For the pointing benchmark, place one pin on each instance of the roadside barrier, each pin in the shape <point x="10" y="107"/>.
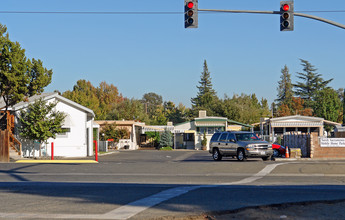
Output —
<point x="287" y="155"/>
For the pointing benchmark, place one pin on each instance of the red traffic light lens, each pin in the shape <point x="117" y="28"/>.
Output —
<point x="286" y="7"/>
<point x="190" y="4"/>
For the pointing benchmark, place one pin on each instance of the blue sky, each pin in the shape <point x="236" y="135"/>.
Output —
<point x="155" y="53"/>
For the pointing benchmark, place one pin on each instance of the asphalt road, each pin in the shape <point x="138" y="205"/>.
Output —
<point x="152" y="184"/>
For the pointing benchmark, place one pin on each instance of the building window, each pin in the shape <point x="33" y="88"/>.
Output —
<point x="209" y="130"/>
<point x="64" y="133"/>
<point x="188" y="137"/>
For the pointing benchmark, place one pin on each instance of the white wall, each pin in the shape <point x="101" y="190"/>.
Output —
<point x="74" y="143"/>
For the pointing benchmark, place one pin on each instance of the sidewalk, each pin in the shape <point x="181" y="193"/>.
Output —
<point x="306" y="159"/>
<point x="90" y="159"/>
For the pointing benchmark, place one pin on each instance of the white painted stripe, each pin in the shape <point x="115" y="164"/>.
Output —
<point x="134" y="208"/>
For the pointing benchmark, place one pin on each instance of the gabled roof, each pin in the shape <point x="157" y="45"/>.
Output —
<point x="297" y="118"/>
<point x="48" y="96"/>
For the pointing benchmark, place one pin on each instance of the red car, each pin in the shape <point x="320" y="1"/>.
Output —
<point x="279" y="150"/>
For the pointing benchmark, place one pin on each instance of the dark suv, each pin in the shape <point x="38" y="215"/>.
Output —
<point x="241" y="144"/>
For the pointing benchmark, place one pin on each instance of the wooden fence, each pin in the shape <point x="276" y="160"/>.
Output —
<point x="4" y="146"/>
<point x="298" y="140"/>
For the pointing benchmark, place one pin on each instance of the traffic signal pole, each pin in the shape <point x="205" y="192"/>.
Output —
<point x="277" y="12"/>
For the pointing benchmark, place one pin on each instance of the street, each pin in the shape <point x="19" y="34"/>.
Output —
<point x="152" y="184"/>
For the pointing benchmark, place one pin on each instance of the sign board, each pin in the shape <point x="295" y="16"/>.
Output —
<point x="332" y="142"/>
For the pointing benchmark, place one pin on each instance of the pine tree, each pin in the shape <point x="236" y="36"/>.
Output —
<point x="285" y="92"/>
<point x="311" y="84"/>
<point x="206" y="95"/>
<point x="166" y="139"/>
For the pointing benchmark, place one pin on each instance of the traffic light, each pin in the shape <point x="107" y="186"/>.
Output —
<point x="190" y="13"/>
<point x="286" y="16"/>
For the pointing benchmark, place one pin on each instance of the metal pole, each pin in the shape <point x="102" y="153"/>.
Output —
<point x="52" y="149"/>
<point x="96" y="151"/>
<point x="277" y="12"/>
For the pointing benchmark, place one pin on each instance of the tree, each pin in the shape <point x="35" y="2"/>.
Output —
<point x="206" y="94"/>
<point x="328" y="105"/>
<point x="152" y="101"/>
<point x="40" y="121"/>
<point x="112" y="131"/>
<point x="173" y="113"/>
<point x="101" y="99"/>
<point x="107" y="95"/>
<point x="129" y="109"/>
<point x="166" y="139"/>
<point x="85" y="94"/>
<point x="311" y="84"/>
<point x="19" y="77"/>
<point x="285" y="92"/>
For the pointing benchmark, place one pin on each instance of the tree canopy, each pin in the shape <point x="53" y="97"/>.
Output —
<point x="40" y="121"/>
<point x="19" y="76"/>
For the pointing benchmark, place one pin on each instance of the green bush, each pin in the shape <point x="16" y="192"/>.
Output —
<point x="165" y="148"/>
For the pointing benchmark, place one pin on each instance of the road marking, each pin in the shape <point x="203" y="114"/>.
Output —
<point x="134" y="208"/>
<point x="264" y="172"/>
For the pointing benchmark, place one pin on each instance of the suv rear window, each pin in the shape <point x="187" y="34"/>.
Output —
<point x="215" y="137"/>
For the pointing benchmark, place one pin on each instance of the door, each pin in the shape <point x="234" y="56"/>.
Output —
<point x="231" y="141"/>
<point x="223" y="144"/>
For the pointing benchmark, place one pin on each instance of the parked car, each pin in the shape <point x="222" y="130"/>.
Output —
<point x="279" y="150"/>
<point x="241" y="144"/>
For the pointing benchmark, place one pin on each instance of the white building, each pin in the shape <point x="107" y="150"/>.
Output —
<point x="76" y="142"/>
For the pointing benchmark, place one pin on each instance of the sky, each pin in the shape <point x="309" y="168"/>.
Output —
<point x="142" y="53"/>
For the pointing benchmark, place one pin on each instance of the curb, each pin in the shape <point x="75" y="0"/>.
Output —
<point x="56" y="161"/>
<point x="308" y="159"/>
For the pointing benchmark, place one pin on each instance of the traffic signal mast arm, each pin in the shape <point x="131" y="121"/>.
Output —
<point x="277" y="12"/>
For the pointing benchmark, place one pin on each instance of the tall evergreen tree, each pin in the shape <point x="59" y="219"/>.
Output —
<point x="206" y="95"/>
<point x="311" y="84"/>
<point x="285" y="92"/>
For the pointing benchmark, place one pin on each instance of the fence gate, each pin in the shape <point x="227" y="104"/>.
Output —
<point x="4" y="146"/>
<point x="298" y="140"/>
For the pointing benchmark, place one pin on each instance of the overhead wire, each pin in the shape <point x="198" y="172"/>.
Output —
<point x="128" y="12"/>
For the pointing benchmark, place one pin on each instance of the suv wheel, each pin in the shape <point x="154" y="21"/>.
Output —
<point x="265" y="158"/>
<point x="216" y="154"/>
<point x="240" y="155"/>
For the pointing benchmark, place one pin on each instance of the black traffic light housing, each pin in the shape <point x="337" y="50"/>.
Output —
<point x="190" y="13"/>
<point x="286" y="16"/>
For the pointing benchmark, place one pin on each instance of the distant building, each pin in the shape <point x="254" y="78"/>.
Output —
<point x="189" y="134"/>
<point x="296" y="123"/>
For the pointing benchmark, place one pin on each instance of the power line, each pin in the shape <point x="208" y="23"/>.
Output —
<point x="129" y="12"/>
<point x="89" y="12"/>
